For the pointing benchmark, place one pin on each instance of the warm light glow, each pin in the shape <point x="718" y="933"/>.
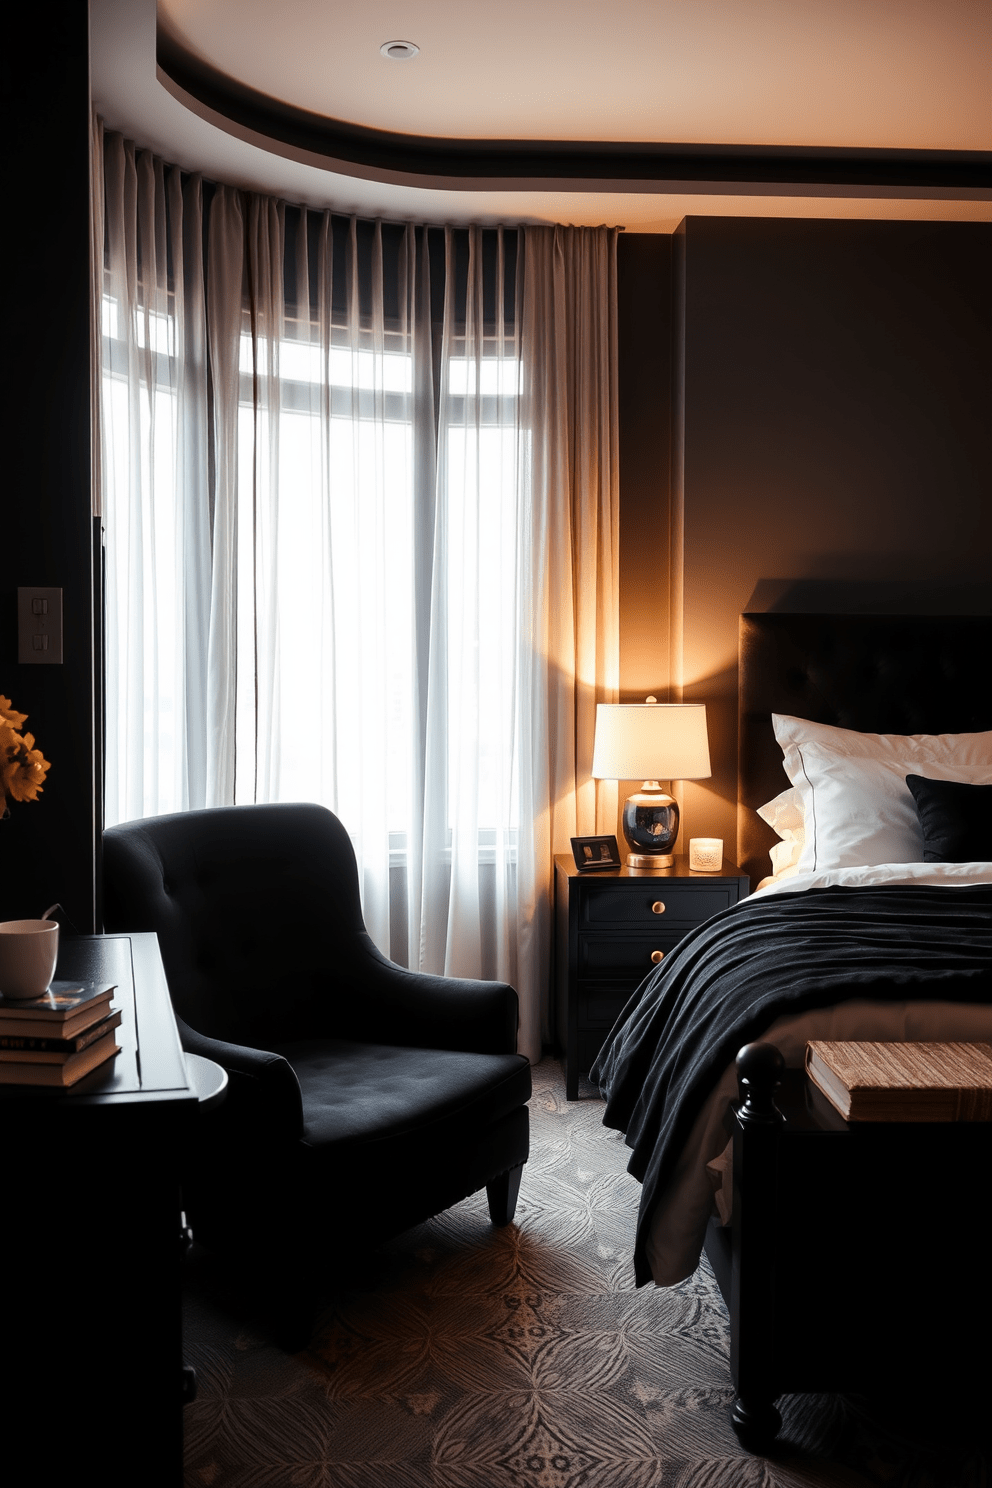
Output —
<point x="705" y="854"/>
<point x="651" y="741"/>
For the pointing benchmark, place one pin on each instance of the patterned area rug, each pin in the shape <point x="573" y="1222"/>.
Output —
<point x="466" y="1357"/>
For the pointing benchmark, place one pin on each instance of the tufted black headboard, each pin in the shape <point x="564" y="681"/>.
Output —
<point x="892" y="674"/>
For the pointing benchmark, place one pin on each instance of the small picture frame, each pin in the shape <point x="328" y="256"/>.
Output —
<point x="594" y="854"/>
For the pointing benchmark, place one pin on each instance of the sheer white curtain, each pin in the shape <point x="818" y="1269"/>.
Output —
<point x="156" y="495"/>
<point x="362" y="551"/>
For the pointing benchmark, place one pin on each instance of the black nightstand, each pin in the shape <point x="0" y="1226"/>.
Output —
<point x="610" y="928"/>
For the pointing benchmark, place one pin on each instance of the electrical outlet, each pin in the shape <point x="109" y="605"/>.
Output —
<point x="39" y="626"/>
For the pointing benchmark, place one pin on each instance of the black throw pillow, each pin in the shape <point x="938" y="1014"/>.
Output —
<point x="956" y="819"/>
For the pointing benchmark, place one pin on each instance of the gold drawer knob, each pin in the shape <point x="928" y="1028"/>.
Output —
<point x="657" y="907"/>
<point x="657" y="956"/>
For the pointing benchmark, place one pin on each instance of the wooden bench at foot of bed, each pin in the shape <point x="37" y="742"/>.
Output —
<point x="857" y="1257"/>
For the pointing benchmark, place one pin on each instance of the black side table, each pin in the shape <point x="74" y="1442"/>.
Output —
<point x="91" y="1214"/>
<point x="610" y="929"/>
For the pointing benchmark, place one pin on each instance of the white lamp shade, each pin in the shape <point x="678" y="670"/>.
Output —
<point x="651" y="741"/>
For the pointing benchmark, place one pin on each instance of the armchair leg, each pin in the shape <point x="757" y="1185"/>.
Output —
<point x="756" y="1422"/>
<point x="502" y="1194"/>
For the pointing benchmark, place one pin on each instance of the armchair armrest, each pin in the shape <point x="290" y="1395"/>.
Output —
<point x="417" y="1010"/>
<point x="263" y="1091"/>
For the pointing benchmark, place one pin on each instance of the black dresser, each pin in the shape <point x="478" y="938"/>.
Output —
<point x="610" y="929"/>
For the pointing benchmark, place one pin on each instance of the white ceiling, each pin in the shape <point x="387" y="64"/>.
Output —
<point x="848" y="73"/>
<point x="911" y="75"/>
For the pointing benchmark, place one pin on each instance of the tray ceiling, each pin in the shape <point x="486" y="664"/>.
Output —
<point x="636" y="113"/>
<point x="848" y="73"/>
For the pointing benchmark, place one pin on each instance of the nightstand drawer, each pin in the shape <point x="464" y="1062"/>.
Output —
<point x="686" y="903"/>
<point x="600" y="1004"/>
<point x="622" y="956"/>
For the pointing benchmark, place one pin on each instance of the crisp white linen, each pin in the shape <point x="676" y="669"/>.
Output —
<point x="962" y="749"/>
<point x="861" y="811"/>
<point x="865" y="876"/>
<point x="678" y="1223"/>
<point x="785" y="816"/>
<point x="852" y="793"/>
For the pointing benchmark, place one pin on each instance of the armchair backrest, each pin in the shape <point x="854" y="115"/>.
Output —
<point x="257" y="912"/>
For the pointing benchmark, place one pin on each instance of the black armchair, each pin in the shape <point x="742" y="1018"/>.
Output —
<point x="363" y="1098"/>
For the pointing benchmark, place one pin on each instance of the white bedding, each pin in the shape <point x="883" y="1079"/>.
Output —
<point x="678" y="1223"/>
<point x="881" y="873"/>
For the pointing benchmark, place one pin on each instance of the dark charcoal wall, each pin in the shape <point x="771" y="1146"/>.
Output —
<point x="47" y="847"/>
<point x="832" y="399"/>
<point x="644" y="314"/>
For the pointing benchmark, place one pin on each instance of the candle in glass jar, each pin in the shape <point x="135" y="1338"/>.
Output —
<point x="706" y="854"/>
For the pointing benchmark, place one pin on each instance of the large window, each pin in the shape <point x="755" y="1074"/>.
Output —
<point x="359" y="501"/>
<point x="343" y="541"/>
<point x="326" y="522"/>
<point x="320" y="576"/>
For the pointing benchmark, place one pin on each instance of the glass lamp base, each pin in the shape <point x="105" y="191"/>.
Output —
<point x="651" y="827"/>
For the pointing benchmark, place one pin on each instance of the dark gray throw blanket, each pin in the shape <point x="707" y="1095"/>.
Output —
<point x="727" y="982"/>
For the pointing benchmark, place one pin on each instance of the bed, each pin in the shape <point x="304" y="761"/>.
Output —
<point x="887" y="948"/>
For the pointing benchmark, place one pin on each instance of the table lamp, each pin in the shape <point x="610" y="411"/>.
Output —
<point x="651" y="741"/>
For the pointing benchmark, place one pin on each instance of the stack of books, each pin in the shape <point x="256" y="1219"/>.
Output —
<point x="58" y="1038"/>
<point x="904" y="1082"/>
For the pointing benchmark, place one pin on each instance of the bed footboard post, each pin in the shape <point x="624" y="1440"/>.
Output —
<point x="752" y="1300"/>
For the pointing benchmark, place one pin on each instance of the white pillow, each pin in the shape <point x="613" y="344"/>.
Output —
<point x="784" y="858"/>
<point x="962" y="749"/>
<point x="862" y="811"/>
<point x="785" y="816"/>
<point x="916" y="751"/>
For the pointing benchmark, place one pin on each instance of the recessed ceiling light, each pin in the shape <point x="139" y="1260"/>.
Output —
<point x="399" y="51"/>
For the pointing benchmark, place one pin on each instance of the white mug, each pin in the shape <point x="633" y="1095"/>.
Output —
<point x="28" y="951"/>
<point x="705" y="854"/>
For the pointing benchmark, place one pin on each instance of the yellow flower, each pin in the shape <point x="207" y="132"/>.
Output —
<point x="23" y="774"/>
<point x="8" y="715"/>
<point x="22" y="767"/>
